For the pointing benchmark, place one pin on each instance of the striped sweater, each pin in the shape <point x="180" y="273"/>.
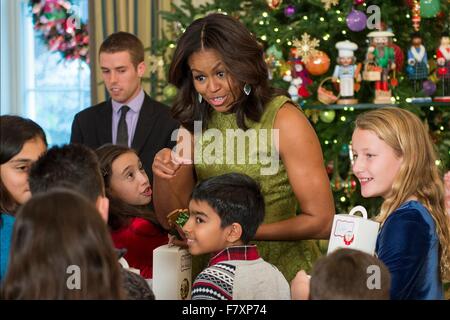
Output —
<point x="239" y="273"/>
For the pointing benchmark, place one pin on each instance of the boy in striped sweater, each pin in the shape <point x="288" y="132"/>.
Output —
<point x="225" y="212"/>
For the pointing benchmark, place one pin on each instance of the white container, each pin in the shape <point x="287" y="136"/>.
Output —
<point x="172" y="273"/>
<point x="350" y="231"/>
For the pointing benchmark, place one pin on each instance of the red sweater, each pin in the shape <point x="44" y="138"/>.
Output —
<point x="140" y="238"/>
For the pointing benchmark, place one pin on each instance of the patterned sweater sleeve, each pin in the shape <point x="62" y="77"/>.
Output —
<point x="214" y="283"/>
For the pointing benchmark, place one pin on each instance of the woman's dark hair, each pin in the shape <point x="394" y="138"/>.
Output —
<point x="57" y="236"/>
<point x="15" y="131"/>
<point x="243" y="58"/>
<point x="120" y="212"/>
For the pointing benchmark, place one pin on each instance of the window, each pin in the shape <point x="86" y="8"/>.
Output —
<point x="51" y="90"/>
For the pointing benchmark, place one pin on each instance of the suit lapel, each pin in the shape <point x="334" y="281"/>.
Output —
<point x="104" y="121"/>
<point x="146" y="121"/>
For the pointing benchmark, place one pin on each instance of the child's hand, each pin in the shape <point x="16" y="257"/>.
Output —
<point x="175" y="241"/>
<point x="300" y="286"/>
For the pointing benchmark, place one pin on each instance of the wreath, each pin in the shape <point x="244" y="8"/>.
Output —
<point x="60" y="28"/>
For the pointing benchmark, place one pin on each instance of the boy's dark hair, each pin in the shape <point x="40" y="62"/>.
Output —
<point x="124" y="41"/>
<point x="15" y="131"/>
<point x="71" y="166"/>
<point x="344" y="275"/>
<point x="236" y="198"/>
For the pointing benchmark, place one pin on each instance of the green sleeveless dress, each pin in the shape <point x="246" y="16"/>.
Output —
<point x="217" y="153"/>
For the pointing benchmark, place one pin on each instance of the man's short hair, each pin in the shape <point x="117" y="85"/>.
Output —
<point x="124" y="41"/>
<point x="236" y="198"/>
<point x="71" y="166"/>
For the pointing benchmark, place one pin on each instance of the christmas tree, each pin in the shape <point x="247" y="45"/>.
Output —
<point x="305" y="32"/>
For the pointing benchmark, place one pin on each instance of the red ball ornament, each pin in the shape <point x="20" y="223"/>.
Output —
<point x="330" y="167"/>
<point x="409" y="3"/>
<point x="318" y="63"/>
<point x="358" y="2"/>
<point x="350" y="185"/>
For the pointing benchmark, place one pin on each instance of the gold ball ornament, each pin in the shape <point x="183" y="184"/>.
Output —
<point x="317" y="64"/>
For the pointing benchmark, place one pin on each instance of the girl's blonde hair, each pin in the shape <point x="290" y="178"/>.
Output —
<point x="418" y="175"/>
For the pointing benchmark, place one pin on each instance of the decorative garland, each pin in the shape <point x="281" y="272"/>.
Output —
<point x="60" y="28"/>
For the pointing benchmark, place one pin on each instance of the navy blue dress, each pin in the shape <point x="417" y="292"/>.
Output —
<point x="408" y="245"/>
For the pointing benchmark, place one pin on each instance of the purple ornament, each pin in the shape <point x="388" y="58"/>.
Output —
<point x="429" y="87"/>
<point x="289" y="11"/>
<point x="356" y="20"/>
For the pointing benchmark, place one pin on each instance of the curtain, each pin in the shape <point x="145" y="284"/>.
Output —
<point x="139" y="17"/>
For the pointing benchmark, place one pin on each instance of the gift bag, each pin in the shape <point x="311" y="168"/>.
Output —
<point x="172" y="273"/>
<point x="350" y="231"/>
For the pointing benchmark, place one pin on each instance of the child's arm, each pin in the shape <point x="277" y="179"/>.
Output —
<point x="300" y="286"/>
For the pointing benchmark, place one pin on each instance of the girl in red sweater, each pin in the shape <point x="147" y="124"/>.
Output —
<point x="132" y="223"/>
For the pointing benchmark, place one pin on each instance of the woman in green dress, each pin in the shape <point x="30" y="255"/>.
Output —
<point x="233" y="121"/>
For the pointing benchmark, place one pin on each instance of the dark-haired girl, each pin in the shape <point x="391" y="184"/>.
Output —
<point x="132" y="224"/>
<point x="22" y="141"/>
<point x="62" y="251"/>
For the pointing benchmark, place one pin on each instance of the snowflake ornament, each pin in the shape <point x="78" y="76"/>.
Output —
<point x="306" y="46"/>
<point x="329" y="3"/>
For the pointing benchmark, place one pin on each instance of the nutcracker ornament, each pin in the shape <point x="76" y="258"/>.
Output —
<point x="417" y="67"/>
<point x="382" y="56"/>
<point x="443" y="70"/>
<point x="346" y="72"/>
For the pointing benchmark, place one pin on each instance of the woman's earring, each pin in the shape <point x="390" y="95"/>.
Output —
<point x="200" y="98"/>
<point x="247" y="89"/>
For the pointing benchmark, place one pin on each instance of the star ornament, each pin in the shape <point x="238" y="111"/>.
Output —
<point x="306" y="46"/>
<point x="328" y="3"/>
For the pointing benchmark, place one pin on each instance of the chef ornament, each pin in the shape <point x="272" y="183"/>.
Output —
<point x="346" y="72"/>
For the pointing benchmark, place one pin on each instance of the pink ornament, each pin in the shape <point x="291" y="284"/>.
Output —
<point x="289" y="11"/>
<point x="429" y="87"/>
<point x="358" y="2"/>
<point x="356" y="20"/>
